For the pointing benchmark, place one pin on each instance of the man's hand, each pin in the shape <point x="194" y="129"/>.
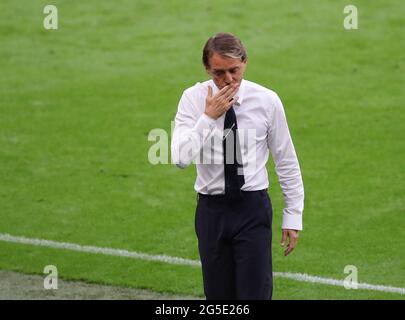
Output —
<point x="293" y="236"/>
<point x="216" y="106"/>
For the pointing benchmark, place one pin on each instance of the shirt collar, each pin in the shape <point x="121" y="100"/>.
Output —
<point x="240" y="93"/>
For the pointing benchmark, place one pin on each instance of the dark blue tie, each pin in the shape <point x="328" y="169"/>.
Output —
<point x="232" y="157"/>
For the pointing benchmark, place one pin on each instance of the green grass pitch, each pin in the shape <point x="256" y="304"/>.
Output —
<point x="77" y="105"/>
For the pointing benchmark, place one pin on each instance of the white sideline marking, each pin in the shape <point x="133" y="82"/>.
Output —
<point x="100" y="250"/>
<point x="334" y="282"/>
<point x="181" y="261"/>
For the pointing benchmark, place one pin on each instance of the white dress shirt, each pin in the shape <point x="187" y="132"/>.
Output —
<point x="262" y="126"/>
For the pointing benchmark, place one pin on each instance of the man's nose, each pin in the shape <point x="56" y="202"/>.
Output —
<point x="228" y="77"/>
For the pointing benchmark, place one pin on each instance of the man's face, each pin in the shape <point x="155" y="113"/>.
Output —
<point x="225" y="70"/>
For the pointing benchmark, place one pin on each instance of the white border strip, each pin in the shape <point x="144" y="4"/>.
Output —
<point x="181" y="261"/>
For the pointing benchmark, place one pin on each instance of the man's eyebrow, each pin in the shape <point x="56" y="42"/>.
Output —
<point x="216" y="70"/>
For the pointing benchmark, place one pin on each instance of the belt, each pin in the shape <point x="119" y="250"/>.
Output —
<point x="222" y="196"/>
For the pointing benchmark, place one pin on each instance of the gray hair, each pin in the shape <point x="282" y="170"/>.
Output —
<point x="225" y="44"/>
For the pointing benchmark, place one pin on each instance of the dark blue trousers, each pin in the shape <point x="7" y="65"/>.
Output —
<point x="234" y="242"/>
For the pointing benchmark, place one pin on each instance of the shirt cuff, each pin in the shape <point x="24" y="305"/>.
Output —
<point x="292" y="221"/>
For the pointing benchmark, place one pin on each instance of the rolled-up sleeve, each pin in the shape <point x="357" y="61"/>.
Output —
<point x="286" y="166"/>
<point x="191" y="131"/>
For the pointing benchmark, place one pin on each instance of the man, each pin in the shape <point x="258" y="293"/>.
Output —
<point x="234" y="213"/>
